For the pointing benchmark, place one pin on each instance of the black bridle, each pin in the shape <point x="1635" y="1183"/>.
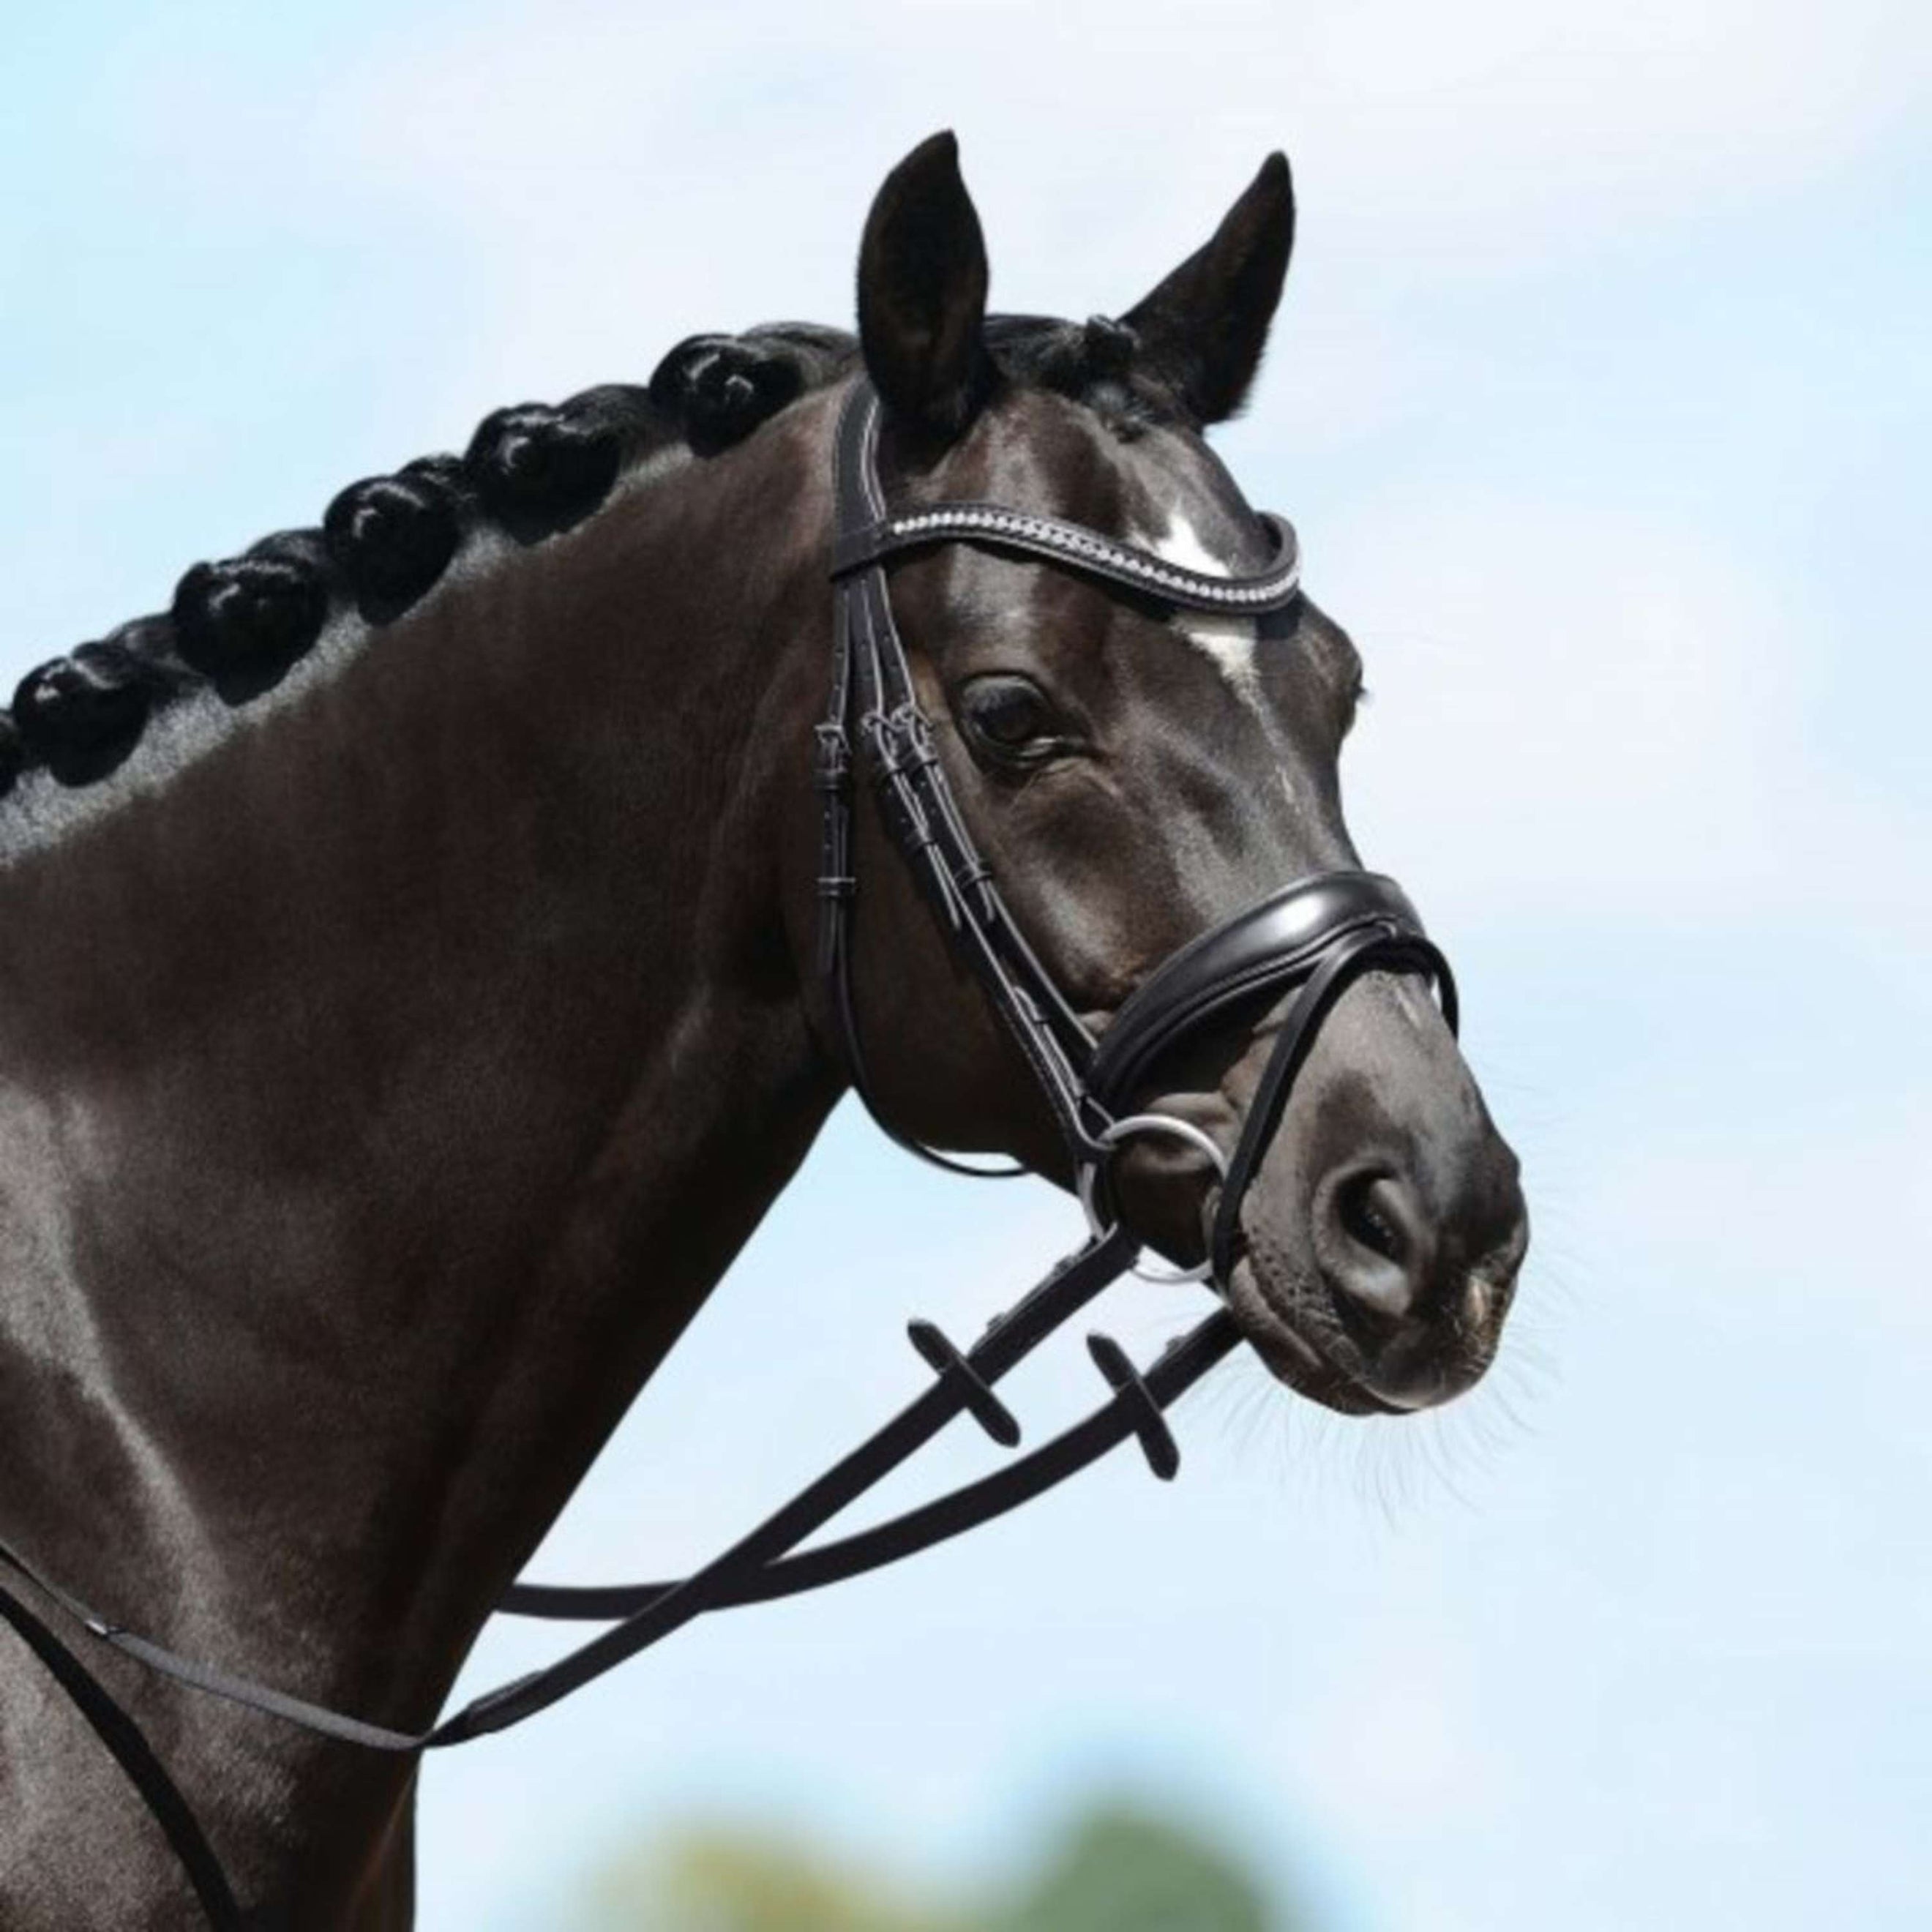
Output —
<point x="1316" y="934"/>
<point x="1309" y="940"/>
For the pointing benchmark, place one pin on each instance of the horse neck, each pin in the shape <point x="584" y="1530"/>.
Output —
<point x="383" y="1094"/>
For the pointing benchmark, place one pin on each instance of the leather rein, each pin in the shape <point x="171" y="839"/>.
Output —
<point x="1309" y="940"/>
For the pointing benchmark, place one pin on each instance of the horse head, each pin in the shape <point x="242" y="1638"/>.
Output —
<point x="1136" y="775"/>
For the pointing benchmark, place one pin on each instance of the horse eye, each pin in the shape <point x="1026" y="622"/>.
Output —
<point x="1007" y="714"/>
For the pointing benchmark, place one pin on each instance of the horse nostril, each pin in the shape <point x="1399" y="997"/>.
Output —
<point x="1416" y="1256"/>
<point x="1369" y="1221"/>
<point x="1377" y="1247"/>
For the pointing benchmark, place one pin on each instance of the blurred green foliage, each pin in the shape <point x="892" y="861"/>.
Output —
<point x="1117" y="1869"/>
<point x="1125" y="1871"/>
<point x="716" y="1880"/>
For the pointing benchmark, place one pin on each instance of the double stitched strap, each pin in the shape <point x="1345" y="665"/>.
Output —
<point x="872" y="697"/>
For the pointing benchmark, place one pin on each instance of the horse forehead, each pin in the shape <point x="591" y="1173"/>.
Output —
<point x="1046" y="451"/>
<point x="1181" y="503"/>
<point x="1186" y="513"/>
<point x="1163" y="491"/>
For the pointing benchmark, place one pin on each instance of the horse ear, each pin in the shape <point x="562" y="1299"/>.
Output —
<point x="1202" y="330"/>
<point x="922" y="291"/>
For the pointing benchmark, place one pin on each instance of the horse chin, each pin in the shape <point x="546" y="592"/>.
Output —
<point x="1291" y="1357"/>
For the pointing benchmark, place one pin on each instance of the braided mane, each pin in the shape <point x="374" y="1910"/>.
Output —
<point x="533" y="471"/>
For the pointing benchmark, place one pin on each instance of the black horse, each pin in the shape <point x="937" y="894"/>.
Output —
<point x="408" y="1004"/>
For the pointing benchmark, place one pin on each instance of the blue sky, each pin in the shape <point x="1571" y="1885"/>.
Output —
<point x="1600" y="396"/>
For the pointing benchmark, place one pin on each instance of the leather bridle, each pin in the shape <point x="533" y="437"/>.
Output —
<point x="1309" y="940"/>
<point x="1315" y="933"/>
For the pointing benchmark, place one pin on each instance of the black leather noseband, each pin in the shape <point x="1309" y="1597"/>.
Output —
<point x="1315" y="935"/>
<point x="1265" y="950"/>
<point x="1305" y="943"/>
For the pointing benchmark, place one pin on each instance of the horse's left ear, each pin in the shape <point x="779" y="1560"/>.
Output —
<point x="922" y="292"/>
<point x="1202" y="330"/>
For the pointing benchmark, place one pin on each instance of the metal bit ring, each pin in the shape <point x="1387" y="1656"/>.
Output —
<point x="1109" y="1137"/>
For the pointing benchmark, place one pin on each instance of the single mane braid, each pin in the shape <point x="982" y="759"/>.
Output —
<point x="391" y="537"/>
<point x="242" y="623"/>
<point x="80" y="715"/>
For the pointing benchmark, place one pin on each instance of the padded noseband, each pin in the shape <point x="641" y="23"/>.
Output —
<point x="1264" y="951"/>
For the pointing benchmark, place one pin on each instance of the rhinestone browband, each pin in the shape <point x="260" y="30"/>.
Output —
<point x="1068" y="543"/>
